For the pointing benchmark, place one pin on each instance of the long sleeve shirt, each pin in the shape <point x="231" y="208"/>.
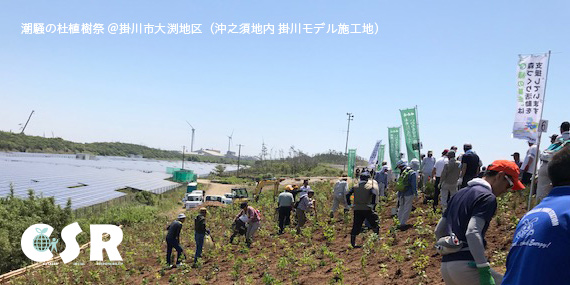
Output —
<point x="340" y="188"/>
<point x="305" y="203"/>
<point x="412" y="186"/>
<point x="174" y="230"/>
<point x="200" y="225"/>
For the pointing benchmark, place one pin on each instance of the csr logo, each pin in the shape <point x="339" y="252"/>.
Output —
<point x="38" y="247"/>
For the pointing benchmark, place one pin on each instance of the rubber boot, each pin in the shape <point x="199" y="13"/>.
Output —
<point x="353" y="240"/>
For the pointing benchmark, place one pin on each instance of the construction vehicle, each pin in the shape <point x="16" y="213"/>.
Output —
<point x="241" y="194"/>
<point x="266" y="182"/>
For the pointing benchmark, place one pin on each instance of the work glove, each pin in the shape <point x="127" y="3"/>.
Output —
<point x="484" y="271"/>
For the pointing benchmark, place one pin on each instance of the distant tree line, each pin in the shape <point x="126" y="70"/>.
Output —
<point x="24" y="143"/>
<point x="299" y="163"/>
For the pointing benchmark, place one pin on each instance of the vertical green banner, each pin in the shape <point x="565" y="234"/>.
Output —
<point x="411" y="133"/>
<point x="394" y="144"/>
<point x="351" y="162"/>
<point x="381" y="155"/>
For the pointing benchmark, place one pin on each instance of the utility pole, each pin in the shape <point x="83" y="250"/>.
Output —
<point x="350" y="118"/>
<point x="24" y="128"/>
<point x="183" y="150"/>
<point x="239" y="156"/>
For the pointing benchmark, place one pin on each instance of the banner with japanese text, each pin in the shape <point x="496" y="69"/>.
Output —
<point x="373" y="160"/>
<point x="351" y="162"/>
<point x="411" y="133"/>
<point x="394" y="145"/>
<point x="381" y="156"/>
<point x="531" y="82"/>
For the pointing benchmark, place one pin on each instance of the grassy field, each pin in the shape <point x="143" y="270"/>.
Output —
<point x="320" y="255"/>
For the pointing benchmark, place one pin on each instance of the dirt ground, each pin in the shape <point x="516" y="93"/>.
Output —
<point x="381" y="269"/>
<point x="216" y="188"/>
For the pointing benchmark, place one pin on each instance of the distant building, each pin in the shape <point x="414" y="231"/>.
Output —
<point x="84" y="156"/>
<point x="209" y="152"/>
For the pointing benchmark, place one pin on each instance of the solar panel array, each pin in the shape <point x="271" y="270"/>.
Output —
<point x="86" y="182"/>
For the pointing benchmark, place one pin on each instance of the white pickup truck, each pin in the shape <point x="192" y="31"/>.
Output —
<point x="218" y="198"/>
<point x="192" y="200"/>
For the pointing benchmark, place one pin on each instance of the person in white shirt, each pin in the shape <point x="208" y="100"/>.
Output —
<point x="305" y="188"/>
<point x="339" y="195"/>
<point x="285" y="203"/>
<point x="427" y="167"/>
<point x="528" y="165"/>
<point x="436" y="172"/>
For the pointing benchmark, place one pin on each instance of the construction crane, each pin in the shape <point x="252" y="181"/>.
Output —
<point x="24" y="128"/>
<point x="192" y="143"/>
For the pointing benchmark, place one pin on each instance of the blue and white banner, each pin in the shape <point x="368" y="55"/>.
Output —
<point x="374" y="156"/>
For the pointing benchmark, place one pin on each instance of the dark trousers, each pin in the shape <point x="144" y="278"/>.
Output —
<point x="436" y="193"/>
<point x="465" y="180"/>
<point x="359" y="216"/>
<point x="526" y="178"/>
<point x="173" y="244"/>
<point x="199" y="239"/>
<point x="284" y="217"/>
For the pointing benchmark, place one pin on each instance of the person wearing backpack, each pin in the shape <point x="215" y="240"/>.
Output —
<point x="253" y="224"/>
<point x="544" y="186"/>
<point x="364" y="203"/>
<point x="407" y="188"/>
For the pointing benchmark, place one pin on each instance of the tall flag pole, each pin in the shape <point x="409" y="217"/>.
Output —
<point x="532" y="74"/>
<point x="411" y="133"/>
<point x="373" y="160"/>
<point x="394" y="146"/>
<point x="351" y="162"/>
<point x="381" y="156"/>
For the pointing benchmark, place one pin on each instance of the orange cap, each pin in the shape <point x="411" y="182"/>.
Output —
<point x="511" y="169"/>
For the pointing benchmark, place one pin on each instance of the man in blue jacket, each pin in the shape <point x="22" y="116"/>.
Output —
<point x="173" y="239"/>
<point x="540" y="252"/>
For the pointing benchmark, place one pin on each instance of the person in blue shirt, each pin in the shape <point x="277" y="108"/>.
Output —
<point x="540" y="252"/>
<point x="467" y="219"/>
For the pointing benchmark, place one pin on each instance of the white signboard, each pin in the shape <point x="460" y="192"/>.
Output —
<point x="531" y="82"/>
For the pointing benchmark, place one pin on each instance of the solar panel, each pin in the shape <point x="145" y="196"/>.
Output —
<point x="91" y="181"/>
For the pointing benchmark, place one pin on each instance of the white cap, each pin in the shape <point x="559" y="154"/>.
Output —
<point x="181" y="216"/>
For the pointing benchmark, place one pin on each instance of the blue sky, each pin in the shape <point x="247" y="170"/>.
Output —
<point x="456" y="60"/>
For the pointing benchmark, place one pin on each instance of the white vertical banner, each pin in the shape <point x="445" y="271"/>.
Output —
<point x="531" y="82"/>
<point x="374" y="155"/>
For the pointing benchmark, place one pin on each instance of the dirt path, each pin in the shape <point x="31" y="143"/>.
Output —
<point x="216" y="188"/>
